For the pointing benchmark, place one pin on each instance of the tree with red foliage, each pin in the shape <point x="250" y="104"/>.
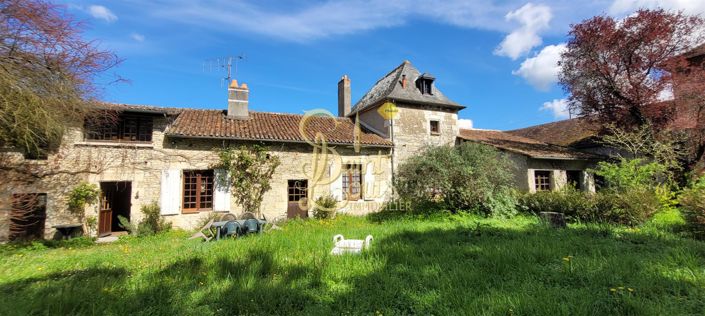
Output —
<point x="46" y="74"/>
<point x="617" y="69"/>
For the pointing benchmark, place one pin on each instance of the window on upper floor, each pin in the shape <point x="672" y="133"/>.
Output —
<point x="39" y="153"/>
<point x="123" y="128"/>
<point x="435" y="127"/>
<point x="425" y="84"/>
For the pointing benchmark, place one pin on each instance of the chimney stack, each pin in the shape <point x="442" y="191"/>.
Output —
<point x="344" y="97"/>
<point x="238" y="97"/>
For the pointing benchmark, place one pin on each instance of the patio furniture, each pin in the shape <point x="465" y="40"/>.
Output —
<point x="247" y="215"/>
<point x="67" y="230"/>
<point x="227" y="217"/>
<point x="228" y="229"/>
<point x="343" y="246"/>
<point x="253" y="226"/>
<point x="205" y="232"/>
<point x="236" y="228"/>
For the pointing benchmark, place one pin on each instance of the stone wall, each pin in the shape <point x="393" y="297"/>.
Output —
<point x="525" y="167"/>
<point x="411" y="130"/>
<point x="142" y="164"/>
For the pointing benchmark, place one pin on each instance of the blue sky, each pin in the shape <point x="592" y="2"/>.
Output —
<point x="498" y="58"/>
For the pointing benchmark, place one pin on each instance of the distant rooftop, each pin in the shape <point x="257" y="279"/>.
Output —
<point x="522" y="145"/>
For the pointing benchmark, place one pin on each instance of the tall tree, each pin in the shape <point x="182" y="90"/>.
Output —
<point x="619" y="72"/>
<point x="46" y="74"/>
<point x="618" y="69"/>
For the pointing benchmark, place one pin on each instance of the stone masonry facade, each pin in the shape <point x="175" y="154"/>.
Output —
<point x="361" y="145"/>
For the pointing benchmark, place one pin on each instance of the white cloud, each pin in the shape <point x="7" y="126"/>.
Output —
<point x="541" y="71"/>
<point x="137" y="37"/>
<point x="627" y="6"/>
<point x="533" y="19"/>
<point x="465" y="123"/>
<point x="102" y="13"/>
<point x="559" y="107"/>
<point x="337" y="17"/>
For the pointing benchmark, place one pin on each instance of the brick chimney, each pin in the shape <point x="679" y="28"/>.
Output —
<point x="344" y="98"/>
<point x="238" y="97"/>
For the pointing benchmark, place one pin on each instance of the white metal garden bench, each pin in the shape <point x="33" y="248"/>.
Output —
<point x="343" y="246"/>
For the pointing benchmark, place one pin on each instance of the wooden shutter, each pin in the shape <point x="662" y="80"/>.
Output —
<point x="171" y="192"/>
<point x="368" y="191"/>
<point x="336" y="186"/>
<point x="221" y="198"/>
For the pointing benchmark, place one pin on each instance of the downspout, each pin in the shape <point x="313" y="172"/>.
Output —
<point x="394" y="145"/>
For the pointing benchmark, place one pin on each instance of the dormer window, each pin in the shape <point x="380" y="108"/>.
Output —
<point x="425" y="84"/>
<point x="125" y="127"/>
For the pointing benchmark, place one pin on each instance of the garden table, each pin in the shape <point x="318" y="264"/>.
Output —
<point x="66" y="230"/>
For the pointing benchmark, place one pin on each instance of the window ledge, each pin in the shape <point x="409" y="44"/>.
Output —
<point x="115" y="144"/>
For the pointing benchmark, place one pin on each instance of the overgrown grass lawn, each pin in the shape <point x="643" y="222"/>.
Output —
<point x="457" y="264"/>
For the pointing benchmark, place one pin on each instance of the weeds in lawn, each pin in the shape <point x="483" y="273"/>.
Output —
<point x="568" y="263"/>
<point x="459" y="264"/>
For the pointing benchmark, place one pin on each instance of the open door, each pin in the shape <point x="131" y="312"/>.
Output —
<point x="297" y="196"/>
<point x="115" y="200"/>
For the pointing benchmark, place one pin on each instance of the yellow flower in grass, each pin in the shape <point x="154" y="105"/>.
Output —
<point x="613" y="290"/>
<point x="630" y="290"/>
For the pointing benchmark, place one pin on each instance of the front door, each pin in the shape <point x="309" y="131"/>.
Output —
<point x="115" y="202"/>
<point x="297" y="196"/>
<point x="106" y="214"/>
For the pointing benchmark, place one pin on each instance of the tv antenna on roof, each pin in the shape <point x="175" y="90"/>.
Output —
<point x="224" y="63"/>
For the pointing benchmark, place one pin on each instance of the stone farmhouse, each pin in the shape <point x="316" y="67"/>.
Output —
<point x="164" y="155"/>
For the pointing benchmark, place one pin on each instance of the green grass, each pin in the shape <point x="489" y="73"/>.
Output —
<point x="457" y="264"/>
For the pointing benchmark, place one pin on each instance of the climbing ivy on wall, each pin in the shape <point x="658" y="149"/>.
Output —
<point x="249" y="171"/>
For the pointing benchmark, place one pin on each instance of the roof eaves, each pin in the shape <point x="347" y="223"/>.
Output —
<point x="273" y="140"/>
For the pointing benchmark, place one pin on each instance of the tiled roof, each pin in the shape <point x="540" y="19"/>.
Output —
<point x="583" y="130"/>
<point x="522" y="145"/>
<point x="140" y="108"/>
<point x="570" y="132"/>
<point x="390" y="88"/>
<point x="266" y="126"/>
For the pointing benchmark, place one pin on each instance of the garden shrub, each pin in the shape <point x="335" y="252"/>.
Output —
<point x="151" y="223"/>
<point x="627" y="174"/>
<point x="631" y="207"/>
<point x="573" y="203"/>
<point x="636" y="189"/>
<point x="467" y="177"/>
<point x="325" y="207"/>
<point x="692" y="202"/>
